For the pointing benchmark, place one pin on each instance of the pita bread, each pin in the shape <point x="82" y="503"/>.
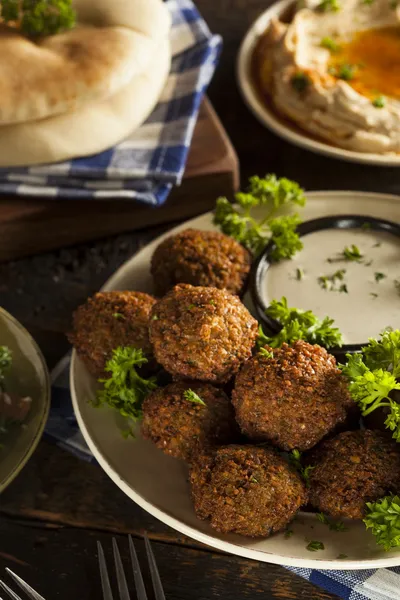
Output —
<point x="67" y="70"/>
<point x="150" y="17"/>
<point x="93" y="127"/>
<point x="89" y="63"/>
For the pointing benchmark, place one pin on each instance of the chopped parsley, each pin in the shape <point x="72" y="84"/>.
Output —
<point x="191" y="396"/>
<point x="288" y="533"/>
<point x="118" y="316"/>
<point x="379" y="102"/>
<point x="329" y="282"/>
<point x="314" y="545"/>
<point x="379" y="276"/>
<point x="299" y="325"/>
<point x="154" y="318"/>
<point x="299" y="274"/>
<point x="377" y="245"/>
<point x="328" y="6"/>
<point x="5" y="364"/>
<point x="340" y="556"/>
<point x="300" y="82"/>
<point x="304" y="472"/>
<point x="352" y="253"/>
<point x="373" y="294"/>
<point x="346" y="72"/>
<point x="343" y="289"/>
<point x="330" y="45"/>
<point x="266" y="353"/>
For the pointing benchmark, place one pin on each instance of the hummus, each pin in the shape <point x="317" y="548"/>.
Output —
<point x="334" y="70"/>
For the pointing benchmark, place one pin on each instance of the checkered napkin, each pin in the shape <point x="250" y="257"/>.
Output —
<point x="370" y="584"/>
<point x="152" y="160"/>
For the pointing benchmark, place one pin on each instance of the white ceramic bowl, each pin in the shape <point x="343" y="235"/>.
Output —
<point x="28" y="377"/>
<point x="158" y="483"/>
<point x="271" y="120"/>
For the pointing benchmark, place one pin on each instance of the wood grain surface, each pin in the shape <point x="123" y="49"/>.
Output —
<point x="53" y="513"/>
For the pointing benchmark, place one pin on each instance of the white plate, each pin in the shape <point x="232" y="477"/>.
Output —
<point x="158" y="483"/>
<point x="269" y="118"/>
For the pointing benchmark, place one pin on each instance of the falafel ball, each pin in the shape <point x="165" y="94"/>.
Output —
<point x="292" y="398"/>
<point x="108" y="320"/>
<point x="351" y="469"/>
<point x="246" y="489"/>
<point x="201" y="333"/>
<point x="182" y="428"/>
<point x="205" y="258"/>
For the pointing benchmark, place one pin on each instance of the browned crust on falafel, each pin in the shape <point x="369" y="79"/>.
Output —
<point x="202" y="333"/>
<point x="108" y="320"/>
<point x="182" y="428"/>
<point x="292" y="399"/>
<point x="205" y="258"/>
<point x="247" y="490"/>
<point x="351" y="469"/>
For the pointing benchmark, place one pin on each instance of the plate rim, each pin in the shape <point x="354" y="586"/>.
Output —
<point x="267" y="116"/>
<point x="165" y="517"/>
<point x="47" y="400"/>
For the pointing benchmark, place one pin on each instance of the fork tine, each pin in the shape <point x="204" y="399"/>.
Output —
<point x="30" y="592"/>
<point x="105" y="581"/>
<point x="9" y="591"/>
<point x="139" y="584"/>
<point x="122" y="585"/>
<point x="155" y="576"/>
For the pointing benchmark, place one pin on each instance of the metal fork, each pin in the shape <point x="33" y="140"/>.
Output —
<point x="121" y="579"/>
<point x="30" y="592"/>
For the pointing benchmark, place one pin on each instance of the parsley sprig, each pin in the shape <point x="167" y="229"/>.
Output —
<point x="299" y="325"/>
<point x="125" y="390"/>
<point x="272" y="194"/>
<point x="383" y="518"/>
<point x="373" y="375"/>
<point x="191" y="396"/>
<point x="38" y="17"/>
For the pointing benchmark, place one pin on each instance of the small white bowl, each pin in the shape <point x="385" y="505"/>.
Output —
<point x="271" y="120"/>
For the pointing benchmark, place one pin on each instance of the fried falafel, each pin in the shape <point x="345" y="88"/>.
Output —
<point x="247" y="490"/>
<point x="201" y="333"/>
<point x="205" y="258"/>
<point x="182" y="428"/>
<point x="108" y="320"/>
<point x="292" y="398"/>
<point x="351" y="469"/>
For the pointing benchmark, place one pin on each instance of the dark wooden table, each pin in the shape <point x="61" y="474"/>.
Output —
<point x="52" y="515"/>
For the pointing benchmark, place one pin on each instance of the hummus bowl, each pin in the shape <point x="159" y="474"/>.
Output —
<point x="339" y="111"/>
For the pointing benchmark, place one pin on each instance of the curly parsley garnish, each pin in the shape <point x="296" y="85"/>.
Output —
<point x="125" y="390"/>
<point x="191" y="396"/>
<point x="39" y="17"/>
<point x="373" y="375"/>
<point x="383" y="518"/>
<point x="272" y="194"/>
<point x="299" y="325"/>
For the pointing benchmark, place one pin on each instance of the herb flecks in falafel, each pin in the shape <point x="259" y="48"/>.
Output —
<point x="208" y="342"/>
<point x="182" y="427"/>
<point x="203" y="258"/>
<point x="293" y="399"/>
<point x="272" y="194"/>
<point x="224" y="491"/>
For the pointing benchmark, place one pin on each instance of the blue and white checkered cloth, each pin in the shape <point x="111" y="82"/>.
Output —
<point x="370" y="584"/>
<point x="152" y="160"/>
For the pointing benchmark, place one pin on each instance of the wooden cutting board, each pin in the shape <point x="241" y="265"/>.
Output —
<point x="33" y="225"/>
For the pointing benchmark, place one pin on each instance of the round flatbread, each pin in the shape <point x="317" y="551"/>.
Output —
<point x="93" y="127"/>
<point x="113" y="43"/>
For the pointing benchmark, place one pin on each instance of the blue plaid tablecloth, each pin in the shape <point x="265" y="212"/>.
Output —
<point x="369" y="584"/>
<point x="152" y="160"/>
